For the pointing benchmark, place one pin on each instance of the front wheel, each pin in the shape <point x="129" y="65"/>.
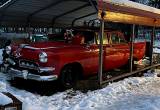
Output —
<point x="69" y="76"/>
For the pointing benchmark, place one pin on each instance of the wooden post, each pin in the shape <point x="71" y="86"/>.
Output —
<point x="131" y="48"/>
<point x="101" y="49"/>
<point x="151" y="46"/>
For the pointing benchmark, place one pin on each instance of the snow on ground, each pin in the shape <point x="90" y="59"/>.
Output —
<point x="156" y="50"/>
<point x="136" y="93"/>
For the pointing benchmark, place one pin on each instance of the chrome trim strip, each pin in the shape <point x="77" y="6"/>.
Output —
<point x="34" y="48"/>
<point x="46" y="69"/>
<point x="17" y="73"/>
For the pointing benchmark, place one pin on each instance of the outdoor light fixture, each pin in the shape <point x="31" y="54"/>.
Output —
<point x="4" y="2"/>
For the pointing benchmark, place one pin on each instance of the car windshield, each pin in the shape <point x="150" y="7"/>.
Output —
<point x="67" y="35"/>
<point x="39" y="38"/>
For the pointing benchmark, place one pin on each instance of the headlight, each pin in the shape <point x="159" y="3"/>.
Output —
<point x="43" y="57"/>
<point x="8" y="49"/>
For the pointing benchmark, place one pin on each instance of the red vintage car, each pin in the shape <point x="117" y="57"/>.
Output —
<point x="74" y="59"/>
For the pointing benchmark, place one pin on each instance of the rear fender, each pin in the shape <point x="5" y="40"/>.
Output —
<point x="139" y="50"/>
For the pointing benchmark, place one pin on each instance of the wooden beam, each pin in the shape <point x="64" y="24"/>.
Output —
<point x="129" y="19"/>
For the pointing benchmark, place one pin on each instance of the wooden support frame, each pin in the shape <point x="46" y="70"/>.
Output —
<point x="124" y="13"/>
<point x="101" y="49"/>
<point x="129" y="74"/>
<point x="151" y="46"/>
<point x="132" y="48"/>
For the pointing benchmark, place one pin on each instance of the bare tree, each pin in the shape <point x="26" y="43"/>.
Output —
<point x="154" y="3"/>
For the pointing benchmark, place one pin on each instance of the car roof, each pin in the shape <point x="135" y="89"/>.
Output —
<point x="93" y="29"/>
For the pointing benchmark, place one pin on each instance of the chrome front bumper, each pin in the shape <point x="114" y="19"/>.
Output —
<point x="45" y="69"/>
<point x="26" y="75"/>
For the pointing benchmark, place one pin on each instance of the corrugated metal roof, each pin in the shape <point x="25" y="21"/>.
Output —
<point x="45" y="12"/>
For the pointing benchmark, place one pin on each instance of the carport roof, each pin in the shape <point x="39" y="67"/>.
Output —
<point x="47" y="12"/>
<point x="126" y="11"/>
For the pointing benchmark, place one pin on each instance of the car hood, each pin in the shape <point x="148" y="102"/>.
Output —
<point x="31" y="51"/>
<point x="45" y="46"/>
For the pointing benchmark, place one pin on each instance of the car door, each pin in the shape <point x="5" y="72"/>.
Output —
<point x="109" y="53"/>
<point x="94" y="54"/>
<point x="121" y="49"/>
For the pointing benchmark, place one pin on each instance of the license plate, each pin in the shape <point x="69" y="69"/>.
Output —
<point x="25" y="74"/>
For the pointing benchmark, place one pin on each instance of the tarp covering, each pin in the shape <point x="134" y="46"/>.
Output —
<point x="125" y="11"/>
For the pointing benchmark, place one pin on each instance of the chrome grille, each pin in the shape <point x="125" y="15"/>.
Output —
<point x="27" y="64"/>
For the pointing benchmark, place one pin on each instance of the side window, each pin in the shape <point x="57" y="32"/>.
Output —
<point x="105" y="39"/>
<point x="116" y="39"/>
<point x="89" y="37"/>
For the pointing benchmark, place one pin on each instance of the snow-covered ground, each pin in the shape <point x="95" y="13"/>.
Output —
<point x="136" y="93"/>
<point x="156" y="50"/>
<point x="129" y="94"/>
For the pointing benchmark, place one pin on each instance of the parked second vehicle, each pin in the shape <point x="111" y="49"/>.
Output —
<point x="72" y="60"/>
